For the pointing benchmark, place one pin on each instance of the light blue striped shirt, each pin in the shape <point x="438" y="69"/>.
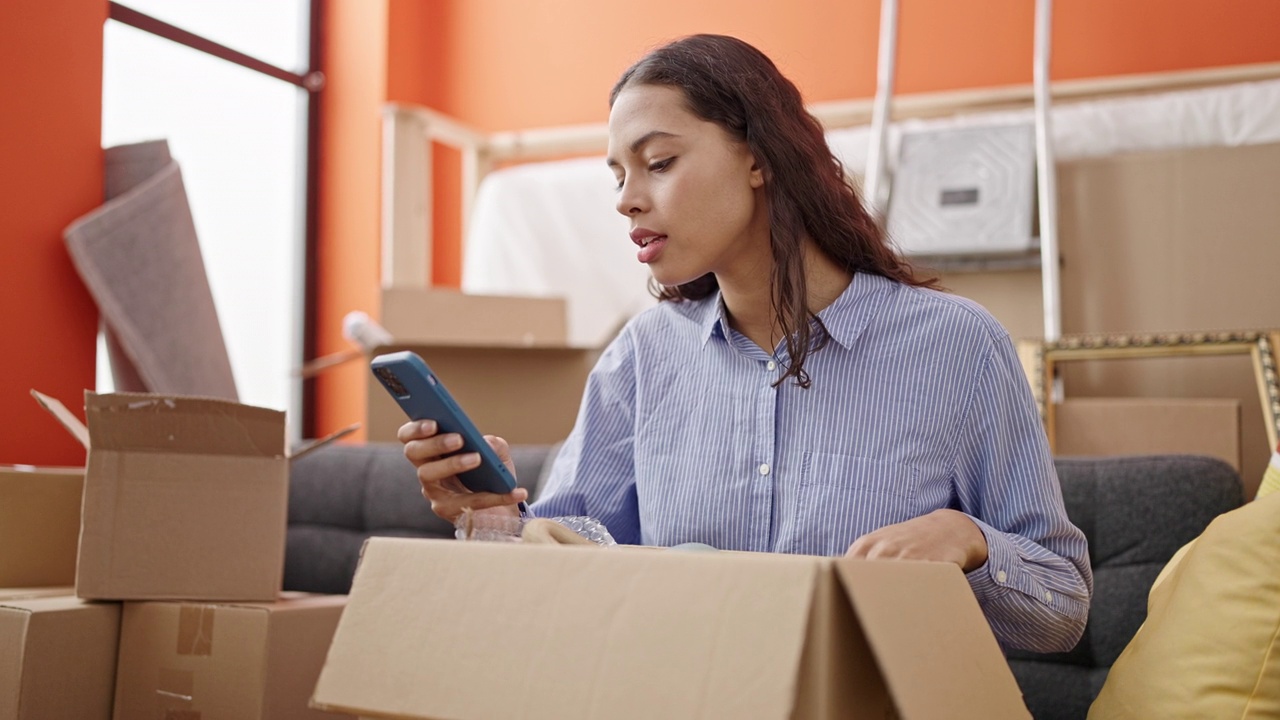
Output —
<point x="918" y="402"/>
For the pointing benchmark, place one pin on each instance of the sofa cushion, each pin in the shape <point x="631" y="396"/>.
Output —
<point x="341" y="495"/>
<point x="1136" y="512"/>
<point x="1211" y="644"/>
<point x="1271" y="478"/>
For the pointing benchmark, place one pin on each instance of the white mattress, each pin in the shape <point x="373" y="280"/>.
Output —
<point x="550" y="228"/>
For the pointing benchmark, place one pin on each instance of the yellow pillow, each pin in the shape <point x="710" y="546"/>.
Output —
<point x="1210" y="647"/>
<point x="1271" y="478"/>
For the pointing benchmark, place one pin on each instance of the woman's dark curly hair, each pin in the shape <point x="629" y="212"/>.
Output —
<point x="730" y="83"/>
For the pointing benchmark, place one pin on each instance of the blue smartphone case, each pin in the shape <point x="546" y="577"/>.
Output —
<point x="423" y="397"/>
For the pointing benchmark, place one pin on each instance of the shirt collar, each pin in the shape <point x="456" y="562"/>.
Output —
<point x="854" y="309"/>
<point x="845" y="318"/>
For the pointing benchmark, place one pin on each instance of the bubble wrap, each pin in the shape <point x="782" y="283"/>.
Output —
<point x="501" y="528"/>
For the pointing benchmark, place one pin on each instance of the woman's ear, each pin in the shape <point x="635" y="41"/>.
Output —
<point x="757" y="175"/>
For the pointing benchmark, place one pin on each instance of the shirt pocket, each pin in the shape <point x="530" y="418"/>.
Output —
<point x="843" y="497"/>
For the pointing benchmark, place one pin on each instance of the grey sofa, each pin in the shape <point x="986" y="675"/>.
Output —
<point x="1136" y="512"/>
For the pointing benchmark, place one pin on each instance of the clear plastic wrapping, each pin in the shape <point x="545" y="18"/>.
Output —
<point x="507" y="528"/>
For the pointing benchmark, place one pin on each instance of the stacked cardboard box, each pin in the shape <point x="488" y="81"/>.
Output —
<point x="506" y="360"/>
<point x="183" y="521"/>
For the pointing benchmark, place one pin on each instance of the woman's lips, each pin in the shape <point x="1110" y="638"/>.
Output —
<point x="651" y="243"/>
<point x="651" y="248"/>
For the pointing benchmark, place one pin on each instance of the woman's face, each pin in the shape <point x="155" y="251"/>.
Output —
<point x="691" y="191"/>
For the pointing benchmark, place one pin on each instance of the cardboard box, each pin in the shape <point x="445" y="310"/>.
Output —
<point x="39" y="525"/>
<point x="442" y="629"/>
<point x="504" y="359"/>
<point x="57" y="658"/>
<point x="1145" y="426"/>
<point x="184" y="498"/>
<point x="526" y="395"/>
<point x="251" y="661"/>
<point x="454" y="318"/>
<point x="22" y="593"/>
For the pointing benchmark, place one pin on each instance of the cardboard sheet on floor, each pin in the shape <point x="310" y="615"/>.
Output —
<point x="559" y="631"/>
<point x="139" y="257"/>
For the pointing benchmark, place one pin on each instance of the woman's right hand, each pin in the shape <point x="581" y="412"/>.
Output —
<point x="438" y="468"/>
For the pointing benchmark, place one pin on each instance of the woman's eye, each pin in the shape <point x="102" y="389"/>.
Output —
<point x="619" y="186"/>
<point x="660" y="165"/>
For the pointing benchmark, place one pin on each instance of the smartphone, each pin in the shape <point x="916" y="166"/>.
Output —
<point x="423" y="397"/>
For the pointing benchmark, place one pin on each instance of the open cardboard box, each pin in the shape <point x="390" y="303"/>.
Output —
<point x="39" y="525"/>
<point x="447" y="629"/>
<point x="248" y="661"/>
<point x="57" y="655"/>
<point x="184" y="498"/>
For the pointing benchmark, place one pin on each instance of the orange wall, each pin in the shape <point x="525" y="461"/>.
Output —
<point x="355" y="66"/>
<point x="499" y="65"/>
<point x="50" y="174"/>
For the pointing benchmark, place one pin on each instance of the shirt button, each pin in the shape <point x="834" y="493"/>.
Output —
<point x="1048" y="597"/>
<point x="771" y="365"/>
<point x="764" y="468"/>
<point x="1001" y="576"/>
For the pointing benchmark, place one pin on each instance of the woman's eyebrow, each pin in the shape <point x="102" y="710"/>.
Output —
<point x="640" y="142"/>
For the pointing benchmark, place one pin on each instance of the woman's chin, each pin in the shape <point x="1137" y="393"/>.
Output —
<point x="672" y="277"/>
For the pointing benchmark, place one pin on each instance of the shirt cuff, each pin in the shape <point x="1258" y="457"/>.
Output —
<point x="993" y="577"/>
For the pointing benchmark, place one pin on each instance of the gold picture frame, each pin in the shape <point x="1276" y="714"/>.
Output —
<point x="1040" y="360"/>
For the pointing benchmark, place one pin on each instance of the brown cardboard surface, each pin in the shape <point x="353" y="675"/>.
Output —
<point x="449" y="317"/>
<point x="251" y="661"/>
<point x="1167" y="241"/>
<point x="1140" y="426"/>
<point x="39" y="525"/>
<point x="184" y="498"/>
<point x="23" y="593"/>
<point x="57" y="658"/>
<point x="526" y="395"/>
<point x="563" y="631"/>
<point x="907" y="607"/>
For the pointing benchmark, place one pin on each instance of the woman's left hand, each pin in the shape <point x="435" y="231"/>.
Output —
<point x="942" y="535"/>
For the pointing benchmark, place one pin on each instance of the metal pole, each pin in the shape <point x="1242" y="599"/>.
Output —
<point x="874" y="195"/>
<point x="1048" y="195"/>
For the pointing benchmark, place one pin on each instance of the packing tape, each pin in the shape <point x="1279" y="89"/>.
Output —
<point x="195" y="630"/>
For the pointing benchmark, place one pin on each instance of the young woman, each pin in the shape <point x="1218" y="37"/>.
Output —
<point x="799" y="389"/>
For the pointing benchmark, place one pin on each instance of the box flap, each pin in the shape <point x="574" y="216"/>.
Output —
<point x="483" y="630"/>
<point x="935" y="649"/>
<point x="63" y="416"/>
<point x="160" y="423"/>
<point x="312" y="445"/>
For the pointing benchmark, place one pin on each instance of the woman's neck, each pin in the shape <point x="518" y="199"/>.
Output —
<point x="748" y="300"/>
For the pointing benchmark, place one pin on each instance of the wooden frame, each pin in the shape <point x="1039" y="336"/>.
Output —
<point x="1040" y="361"/>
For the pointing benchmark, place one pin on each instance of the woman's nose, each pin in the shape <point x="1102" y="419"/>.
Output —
<point x="630" y="200"/>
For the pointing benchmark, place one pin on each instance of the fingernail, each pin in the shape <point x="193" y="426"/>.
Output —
<point x="428" y="427"/>
<point x="452" y="442"/>
<point x="471" y="459"/>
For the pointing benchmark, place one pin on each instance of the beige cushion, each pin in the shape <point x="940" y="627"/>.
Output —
<point x="1271" y="478"/>
<point x="1210" y="647"/>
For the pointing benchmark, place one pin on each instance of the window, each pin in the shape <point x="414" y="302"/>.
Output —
<point x="240" y="137"/>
